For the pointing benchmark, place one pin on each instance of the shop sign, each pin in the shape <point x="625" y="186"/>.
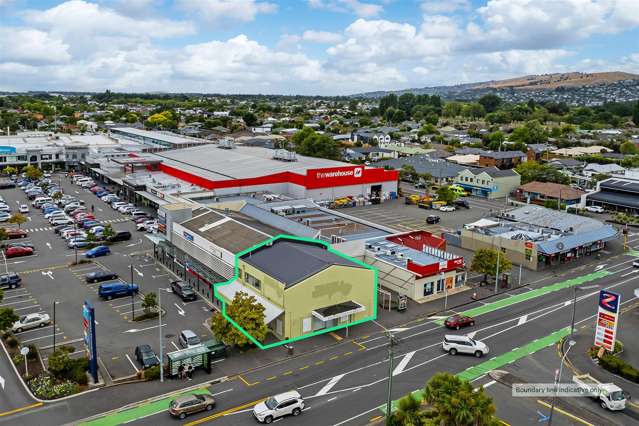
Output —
<point x="187" y="236"/>
<point x="607" y="319"/>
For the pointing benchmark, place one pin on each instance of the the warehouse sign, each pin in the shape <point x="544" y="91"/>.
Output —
<point x="607" y="319"/>
<point x="356" y="173"/>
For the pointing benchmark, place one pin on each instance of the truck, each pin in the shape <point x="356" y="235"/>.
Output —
<point x="610" y="395"/>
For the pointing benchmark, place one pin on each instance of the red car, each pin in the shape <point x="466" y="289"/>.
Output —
<point x="96" y="188"/>
<point x="13" y="233"/>
<point x="459" y="321"/>
<point x="18" y="251"/>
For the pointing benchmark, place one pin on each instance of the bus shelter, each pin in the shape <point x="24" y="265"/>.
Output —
<point x="198" y="357"/>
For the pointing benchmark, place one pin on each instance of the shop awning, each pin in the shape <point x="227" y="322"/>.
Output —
<point x="339" y="310"/>
<point x="271" y="310"/>
<point x="157" y="200"/>
<point x="156" y="238"/>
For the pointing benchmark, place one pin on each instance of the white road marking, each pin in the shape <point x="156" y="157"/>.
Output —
<point x="331" y="383"/>
<point x="174" y="345"/>
<point x="403" y="363"/>
<point x="134" y="366"/>
<point x="49" y="336"/>
<point x="522" y="319"/>
<point x="180" y="310"/>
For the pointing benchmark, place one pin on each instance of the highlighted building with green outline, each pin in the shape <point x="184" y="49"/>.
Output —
<point x="306" y="287"/>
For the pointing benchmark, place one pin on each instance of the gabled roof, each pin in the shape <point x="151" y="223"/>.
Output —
<point x="552" y="190"/>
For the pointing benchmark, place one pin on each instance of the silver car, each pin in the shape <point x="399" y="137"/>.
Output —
<point x="30" y="321"/>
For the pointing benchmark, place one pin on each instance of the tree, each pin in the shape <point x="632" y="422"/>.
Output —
<point x="628" y="148"/>
<point x="408" y="173"/>
<point x="7" y="318"/>
<point x="249" y="118"/>
<point x="248" y="314"/>
<point x="452" y="109"/>
<point x="18" y="219"/>
<point x="455" y="402"/>
<point x="531" y="132"/>
<point x="57" y="195"/>
<point x="308" y="142"/>
<point x="485" y="262"/>
<point x="446" y="194"/>
<point x="532" y="171"/>
<point x="3" y="234"/>
<point x="386" y="102"/>
<point x="473" y="110"/>
<point x="32" y="172"/>
<point x="164" y="119"/>
<point x="149" y="302"/>
<point x="108" y="231"/>
<point x="490" y="102"/>
<point x="408" y="411"/>
<point x="9" y="170"/>
<point x="635" y="114"/>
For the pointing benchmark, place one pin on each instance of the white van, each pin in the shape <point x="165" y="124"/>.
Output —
<point x="464" y="345"/>
<point x="39" y="201"/>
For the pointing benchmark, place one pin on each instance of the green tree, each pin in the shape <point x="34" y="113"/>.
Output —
<point x="3" y="234"/>
<point x="386" y="102"/>
<point x="531" y="171"/>
<point x="164" y="119"/>
<point x="485" y="262"/>
<point x="108" y="231"/>
<point x="490" y="102"/>
<point x="408" y="412"/>
<point x="635" y="114"/>
<point x="455" y="402"/>
<point x="473" y="110"/>
<point x="452" y="109"/>
<point x="18" y="219"/>
<point x="7" y="318"/>
<point x="308" y="142"/>
<point x="9" y="170"/>
<point x="249" y="118"/>
<point x="408" y="173"/>
<point x="531" y="132"/>
<point x="57" y="195"/>
<point x="32" y="172"/>
<point x="628" y="148"/>
<point x="248" y="314"/>
<point x="149" y="302"/>
<point x="446" y="194"/>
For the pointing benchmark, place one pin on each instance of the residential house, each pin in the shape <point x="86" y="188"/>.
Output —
<point x="368" y="154"/>
<point x="540" y="192"/>
<point x="502" y="159"/>
<point x="489" y="182"/>
<point x="603" y="169"/>
<point x="442" y="172"/>
<point x="539" y="151"/>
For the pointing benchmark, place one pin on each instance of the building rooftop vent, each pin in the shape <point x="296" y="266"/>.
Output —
<point x="284" y="155"/>
<point x="226" y="143"/>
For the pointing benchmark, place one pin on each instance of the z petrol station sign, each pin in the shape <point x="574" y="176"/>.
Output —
<point x="607" y="319"/>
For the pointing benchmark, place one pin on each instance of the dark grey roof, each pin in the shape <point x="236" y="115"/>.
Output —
<point x="566" y="162"/>
<point x="613" y="155"/>
<point x="494" y="172"/>
<point x="291" y="261"/>
<point x="469" y="150"/>
<point x="424" y="164"/>
<point x="369" y="150"/>
<point x="620" y="185"/>
<point x="502" y="154"/>
<point x="615" y="198"/>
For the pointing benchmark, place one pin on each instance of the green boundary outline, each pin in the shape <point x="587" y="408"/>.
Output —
<point x="305" y="336"/>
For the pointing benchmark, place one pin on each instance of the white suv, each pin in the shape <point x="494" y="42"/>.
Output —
<point x="279" y="406"/>
<point x="464" y="345"/>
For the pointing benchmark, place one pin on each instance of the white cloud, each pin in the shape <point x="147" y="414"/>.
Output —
<point x="444" y="6"/>
<point x="518" y="62"/>
<point x="222" y="11"/>
<point x="321" y="37"/>
<point x="29" y="46"/>
<point x="361" y="9"/>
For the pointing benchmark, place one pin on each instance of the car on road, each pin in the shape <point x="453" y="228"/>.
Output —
<point x="454" y="344"/>
<point x="117" y="289"/>
<point x="432" y="219"/>
<point x="18" y="252"/>
<point x="188" y="339"/>
<point x="184" y="405"/>
<point x="24" y="208"/>
<point x="29" y="321"/>
<point x="119" y="236"/>
<point x="97" y="252"/>
<point x="184" y="290"/>
<point x="142" y="226"/>
<point x="10" y="280"/>
<point x="274" y="407"/>
<point x="458" y="321"/>
<point x="13" y="233"/>
<point x="447" y="209"/>
<point x="99" y="276"/>
<point x="594" y="209"/>
<point x="145" y="356"/>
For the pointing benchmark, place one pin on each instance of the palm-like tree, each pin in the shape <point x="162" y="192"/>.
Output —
<point x="408" y="411"/>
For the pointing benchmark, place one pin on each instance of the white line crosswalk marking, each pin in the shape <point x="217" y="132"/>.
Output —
<point x="328" y="386"/>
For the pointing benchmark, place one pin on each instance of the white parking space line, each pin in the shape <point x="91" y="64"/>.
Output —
<point x="17" y="295"/>
<point x="15" y="303"/>
<point x="28" y="307"/>
<point x="35" y="329"/>
<point x="48" y="336"/>
<point x="127" y="304"/>
<point x="174" y="345"/>
<point x="136" y="368"/>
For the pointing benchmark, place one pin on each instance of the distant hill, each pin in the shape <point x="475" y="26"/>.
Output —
<point x="543" y="82"/>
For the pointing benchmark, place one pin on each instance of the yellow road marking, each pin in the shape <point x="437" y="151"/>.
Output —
<point x="17" y="410"/>
<point x="319" y="362"/>
<point x="246" y="382"/>
<point x="361" y="347"/>
<point x="287" y="373"/>
<point x="565" y="413"/>
<point x="223" y="413"/>
<point x="374" y="419"/>
<point x="336" y="337"/>
<point x="305" y="367"/>
<point x="115" y="357"/>
<point x="272" y="378"/>
<point x="348" y="353"/>
<point x="333" y="358"/>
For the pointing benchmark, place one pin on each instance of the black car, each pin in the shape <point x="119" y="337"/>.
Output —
<point x="120" y="236"/>
<point x="431" y="219"/>
<point x="145" y="356"/>
<point x="462" y="203"/>
<point x="10" y="280"/>
<point x="99" y="276"/>
<point x="184" y="290"/>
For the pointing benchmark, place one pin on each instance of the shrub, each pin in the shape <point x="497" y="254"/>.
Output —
<point x="618" y="366"/>
<point x="152" y="373"/>
<point x="33" y="353"/>
<point x="43" y="386"/>
<point x="12" y="342"/>
<point x="6" y="334"/>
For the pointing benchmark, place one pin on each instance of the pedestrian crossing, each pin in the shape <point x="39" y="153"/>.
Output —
<point x="50" y="228"/>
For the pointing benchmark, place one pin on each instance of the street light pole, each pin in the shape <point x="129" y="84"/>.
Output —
<point x="519" y="283"/>
<point x="132" y="296"/>
<point x="55" y="302"/>
<point x="571" y="343"/>
<point x="160" y="328"/>
<point x="497" y="271"/>
<point x="391" y="343"/>
<point x="574" y="304"/>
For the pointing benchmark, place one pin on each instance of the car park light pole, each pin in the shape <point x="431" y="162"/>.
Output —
<point x="55" y="302"/>
<point x="132" y="296"/>
<point x="160" y="290"/>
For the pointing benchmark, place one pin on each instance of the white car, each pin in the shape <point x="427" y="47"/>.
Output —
<point x="118" y="204"/>
<point x="463" y="344"/>
<point x="146" y="225"/>
<point x="29" y="321"/>
<point x="447" y="209"/>
<point x="4" y="208"/>
<point x="126" y="209"/>
<point x="24" y="208"/>
<point x="284" y="404"/>
<point x="61" y="221"/>
<point x="594" y="209"/>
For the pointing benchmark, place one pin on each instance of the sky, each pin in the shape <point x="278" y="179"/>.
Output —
<point x="306" y="47"/>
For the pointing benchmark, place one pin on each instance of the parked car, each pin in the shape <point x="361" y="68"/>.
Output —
<point x="4" y="208"/>
<point x="18" y="252"/>
<point x="145" y="356"/>
<point x="61" y="228"/>
<point x="99" y="276"/>
<point x="78" y="242"/>
<point x="89" y="223"/>
<point x="100" y="194"/>
<point x="432" y="219"/>
<point x="184" y="405"/>
<point x="97" y="252"/>
<point x="10" y="280"/>
<point x="4" y="216"/>
<point x="142" y="226"/>
<point x="120" y="236"/>
<point x="61" y="221"/>
<point x="594" y="209"/>
<point x="117" y="289"/>
<point x="19" y="244"/>
<point x="463" y="344"/>
<point x="13" y="233"/>
<point x="284" y="404"/>
<point x="188" y="339"/>
<point x="184" y="290"/>
<point x="30" y="321"/>
<point x="459" y="321"/>
<point x="136" y="214"/>
<point x="462" y="203"/>
<point x="447" y="209"/>
<point x="23" y="208"/>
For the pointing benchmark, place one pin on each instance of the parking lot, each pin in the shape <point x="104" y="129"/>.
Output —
<point x="47" y="279"/>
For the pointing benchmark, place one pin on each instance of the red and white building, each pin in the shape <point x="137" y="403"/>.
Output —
<point x="416" y="264"/>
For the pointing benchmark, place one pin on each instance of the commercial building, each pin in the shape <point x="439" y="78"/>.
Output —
<point x="417" y="265"/>
<point x="156" y="141"/>
<point x="304" y="286"/>
<point x="489" y="182"/>
<point x="536" y="237"/>
<point x="617" y="194"/>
